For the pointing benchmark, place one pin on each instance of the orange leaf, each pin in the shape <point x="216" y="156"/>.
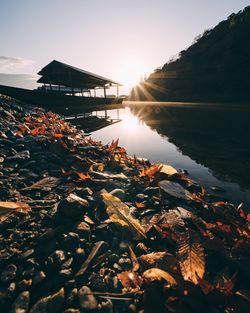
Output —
<point x="130" y="280"/>
<point x="113" y="145"/>
<point x="83" y="176"/>
<point x="206" y="286"/>
<point x="139" y="205"/>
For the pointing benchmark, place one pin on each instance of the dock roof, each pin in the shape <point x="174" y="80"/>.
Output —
<point x="58" y="73"/>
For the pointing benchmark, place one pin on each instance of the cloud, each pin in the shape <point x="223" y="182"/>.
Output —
<point x="13" y="65"/>
<point x="19" y="80"/>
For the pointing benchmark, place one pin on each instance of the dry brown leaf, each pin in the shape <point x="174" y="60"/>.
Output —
<point x="153" y="275"/>
<point x="162" y="260"/>
<point x="168" y="169"/>
<point x="175" y="190"/>
<point x="120" y="214"/>
<point x="47" y="182"/>
<point x="191" y="257"/>
<point x="130" y="280"/>
<point x="8" y="207"/>
<point x="134" y="260"/>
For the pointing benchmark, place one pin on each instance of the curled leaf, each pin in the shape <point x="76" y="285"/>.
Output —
<point x="8" y="207"/>
<point x="120" y="214"/>
<point x="154" y="275"/>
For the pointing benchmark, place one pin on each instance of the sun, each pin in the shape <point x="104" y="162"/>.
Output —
<point x="132" y="73"/>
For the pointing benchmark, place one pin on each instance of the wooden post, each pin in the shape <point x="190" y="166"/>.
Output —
<point x="104" y="89"/>
<point x="117" y="90"/>
<point x="95" y="92"/>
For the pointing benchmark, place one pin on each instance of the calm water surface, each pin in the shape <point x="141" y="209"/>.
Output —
<point x="211" y="143"/>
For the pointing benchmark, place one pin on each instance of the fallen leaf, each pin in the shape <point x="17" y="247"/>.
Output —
<point x="9" y="207"/>
<point x="47" y="182"/>
<point x="153" y="275"/>
<point x="206" y="286"/>
<point x="134" y="260"/>
<point x="175" y="190"/>
<point x="130" y="280"/>
<point x="83" y="176"/>
<point x="99" y="248"/>
<point x="140" y="205"/>
<point x="113" y="145"/>
<point x="168" y="169"/>
<point x="191" y="257"/>
<point x="162" y="260"/>
<point x="120" y="214"/>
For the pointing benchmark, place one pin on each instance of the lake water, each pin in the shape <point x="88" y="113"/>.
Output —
<point x="211" y="142"/>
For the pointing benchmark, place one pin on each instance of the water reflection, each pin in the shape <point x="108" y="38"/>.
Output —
<point x="211" y="143"/>
<point x="215" y="137"/>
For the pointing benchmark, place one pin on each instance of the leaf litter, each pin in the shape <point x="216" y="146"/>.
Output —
<point x="142" y="236"/>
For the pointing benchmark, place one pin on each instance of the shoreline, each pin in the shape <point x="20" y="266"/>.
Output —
<point x="86" y="227"/>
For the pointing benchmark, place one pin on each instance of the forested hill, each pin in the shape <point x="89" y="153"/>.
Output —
<point x="216" y="67"/>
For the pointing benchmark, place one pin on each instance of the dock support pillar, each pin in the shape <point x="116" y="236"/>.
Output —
<point x="117" y="90"/>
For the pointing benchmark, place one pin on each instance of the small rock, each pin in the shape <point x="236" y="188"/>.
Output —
<point x="21" y="304"/>
<point x="9" y="273"/>
<point x="24" y="284"/>
<point x="26" y="254"/>
<point x="73" y="207"/>
<point x="83" y="230"/>
<point x="39" y="277"/>
<point x="119" y="193"/>
<point x="55" y="259"/>
<point x="69" y="242"/>
<point x="141" y="197"/>
<point x="51" y="304"/>
<point x="107" y="306"/>
<point x="83" y="192"/>
<point x="87" y="300"/>
<point x="72" y="297"/>
<point x="113" y="258"/>
<point x="151" y="191"/>
<point x="125" y="263"/>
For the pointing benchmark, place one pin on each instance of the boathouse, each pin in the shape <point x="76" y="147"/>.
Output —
<point x="67" y="79"/>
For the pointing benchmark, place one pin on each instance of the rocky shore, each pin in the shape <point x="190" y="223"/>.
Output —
<point x="86" y="228"/>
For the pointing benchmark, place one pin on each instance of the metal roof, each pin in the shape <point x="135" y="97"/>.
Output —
<point x="58" y="73"/>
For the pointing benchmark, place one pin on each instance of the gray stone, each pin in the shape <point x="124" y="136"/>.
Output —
<point x="72" y="207"/>
<point x="9" y="273"/>
<point x="83" y="230"/>
<point x="119" y="193"/>
<point x="87" y="300"/>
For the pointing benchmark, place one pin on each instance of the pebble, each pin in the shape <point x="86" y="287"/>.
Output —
<point x="21" y="304"/>
<point x="72" y="207"/>
<point x="9" y="273"/>
<point x="87" y="300"/>
<point x="38" y="278"/>
<point x="55" y="259"/>
<point x="82" y="229"/>
<point x="119" y="193"/>
<point x="69" y="242"/>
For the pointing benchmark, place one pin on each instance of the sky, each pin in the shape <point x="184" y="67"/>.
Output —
<point x="120" y="39"/>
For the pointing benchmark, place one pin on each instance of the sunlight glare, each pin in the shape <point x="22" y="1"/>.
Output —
<point x="132" y="73"/>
